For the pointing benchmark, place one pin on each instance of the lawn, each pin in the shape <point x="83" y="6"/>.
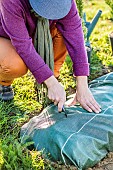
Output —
<point x="101" y="60"/>
<point x="13" y="155"/>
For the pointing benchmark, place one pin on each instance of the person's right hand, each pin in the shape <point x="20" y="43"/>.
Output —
<point x="56" y="92"/>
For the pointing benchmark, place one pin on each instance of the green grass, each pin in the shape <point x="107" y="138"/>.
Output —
<point x="101" y="60"/>
<point x="13" y="155"/>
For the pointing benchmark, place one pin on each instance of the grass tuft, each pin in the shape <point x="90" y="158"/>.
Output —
<point x="13" y="155"/>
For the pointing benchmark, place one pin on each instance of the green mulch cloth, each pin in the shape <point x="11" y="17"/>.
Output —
<point x="44" y="47"/>
<point x="75" y="136"/>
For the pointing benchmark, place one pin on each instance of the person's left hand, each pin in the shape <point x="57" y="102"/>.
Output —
<point x="85" y="98"/>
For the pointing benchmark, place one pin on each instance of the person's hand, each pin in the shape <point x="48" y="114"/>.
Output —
<point x="56" y="92"/>
<point x="85" y="97"/>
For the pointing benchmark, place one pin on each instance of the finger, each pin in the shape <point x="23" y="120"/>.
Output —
<point x="86" y="107"/>
<point x="93" y="107"/>
<point x="96" y="104"/>
<point x="60" y="105"/>
<point x="51" y="96"/>
<point x="57" y="99"/>
<point x="55" y="102"/>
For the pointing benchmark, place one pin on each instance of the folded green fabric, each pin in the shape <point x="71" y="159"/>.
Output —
<point x="80" y="138"/>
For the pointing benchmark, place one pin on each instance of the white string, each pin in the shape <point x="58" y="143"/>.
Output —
<point x="107" y="76"/>
<point x="107" y="109"/>
<point x="92" y="84"/>
<point x="101" y="80"/>
<point x="82" y="127"/>
<point x="79" y="131"/>
<point x="72" y="135"/>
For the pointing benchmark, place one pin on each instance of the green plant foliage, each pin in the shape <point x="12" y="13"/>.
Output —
<point x="13" y="155"/>
<point x="110" y="3"/>
<point x="101" y="59"/>
<point x="84" y="30"/>
<point x="25" y="93"/>
<point x="80" y="7"/>
<point x="66" y="76"/>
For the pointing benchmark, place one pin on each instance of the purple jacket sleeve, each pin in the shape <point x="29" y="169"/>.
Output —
<point x="71" y="29"/>
<point x="14" y="25"/>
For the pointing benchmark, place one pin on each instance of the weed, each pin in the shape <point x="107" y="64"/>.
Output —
<point x="110" y="3"/>
<point x="13" y="155"/>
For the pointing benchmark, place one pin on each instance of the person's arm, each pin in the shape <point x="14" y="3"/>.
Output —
<point x="71" y="29"/>
<point x="13" y="22"/>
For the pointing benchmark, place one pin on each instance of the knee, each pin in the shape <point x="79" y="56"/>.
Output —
<point x="10" y="62"/>
<point x="13" y="71"/>
<point x="17" y="70"/>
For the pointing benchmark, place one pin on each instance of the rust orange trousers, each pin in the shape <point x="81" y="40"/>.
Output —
<point x="12" y="66"/>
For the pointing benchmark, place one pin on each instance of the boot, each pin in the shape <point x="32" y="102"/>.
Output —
<point x="6" y="93"/>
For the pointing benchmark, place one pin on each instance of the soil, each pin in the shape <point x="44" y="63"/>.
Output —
<point x="105" y="164"/>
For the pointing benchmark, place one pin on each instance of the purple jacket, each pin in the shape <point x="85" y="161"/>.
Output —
<point x="18" y="24"/>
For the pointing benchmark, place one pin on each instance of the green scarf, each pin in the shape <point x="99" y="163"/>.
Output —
<point x="44" y="47"/>
<point x="43" y="41"/>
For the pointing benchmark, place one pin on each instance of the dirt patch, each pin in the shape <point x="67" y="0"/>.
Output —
<point x="105" y="164"/>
